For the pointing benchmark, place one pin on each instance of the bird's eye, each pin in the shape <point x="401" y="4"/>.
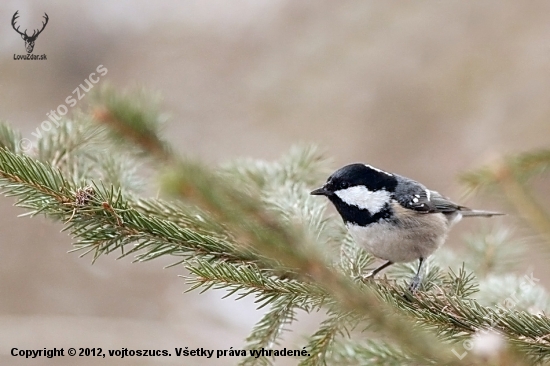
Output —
<point x="344" y="185"/>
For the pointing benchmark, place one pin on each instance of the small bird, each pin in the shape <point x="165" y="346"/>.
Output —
<point x="393" y="217"/>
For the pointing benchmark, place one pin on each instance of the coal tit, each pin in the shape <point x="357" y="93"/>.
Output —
<point x="392" y="217"/>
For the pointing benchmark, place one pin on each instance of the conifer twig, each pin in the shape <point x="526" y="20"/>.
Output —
<point x="252" y="229"/>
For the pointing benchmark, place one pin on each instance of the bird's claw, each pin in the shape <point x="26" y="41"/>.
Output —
<point x="415" y="284"/>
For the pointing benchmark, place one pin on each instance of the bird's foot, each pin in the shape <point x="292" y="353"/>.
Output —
<point x="415" y="284"/>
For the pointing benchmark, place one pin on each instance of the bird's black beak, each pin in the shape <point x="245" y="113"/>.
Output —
<point x="321" y="192"/>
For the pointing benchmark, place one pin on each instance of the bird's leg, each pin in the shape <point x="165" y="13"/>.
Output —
<point x="417" y="279"/>
<point x="376" y="270"/>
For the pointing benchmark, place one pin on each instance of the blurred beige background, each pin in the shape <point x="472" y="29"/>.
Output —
<point x="428" y="89"/>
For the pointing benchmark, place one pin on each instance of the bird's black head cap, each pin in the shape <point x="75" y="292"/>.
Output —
<point x="360" y="174"/>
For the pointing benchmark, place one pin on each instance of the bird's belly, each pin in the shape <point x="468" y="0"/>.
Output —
<point x="383" y="241"/>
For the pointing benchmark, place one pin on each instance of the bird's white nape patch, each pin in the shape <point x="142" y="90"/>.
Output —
<point x="428" y="194"/>
<point x="379" y="170"/>
<point x="362" y="198"/>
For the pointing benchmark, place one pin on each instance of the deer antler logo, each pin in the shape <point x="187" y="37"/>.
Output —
<point x="29" y="40"/>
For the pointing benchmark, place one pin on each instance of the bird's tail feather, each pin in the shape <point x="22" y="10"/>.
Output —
<point x="471" y="213"/>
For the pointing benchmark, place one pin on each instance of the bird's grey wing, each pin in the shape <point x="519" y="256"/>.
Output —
<point x="443" y="204"/>
<point x="415" y="196"/>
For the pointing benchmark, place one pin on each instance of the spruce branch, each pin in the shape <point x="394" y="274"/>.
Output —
<point x="245" y="215"/>
<point x="353" y="260"/>
<point x="37" y="184"/>
<point x="530" y="164"/>
<point x="493" y="251"/>
<point x="268" y="330"/>
<point x="321" y="343"/>
<point x="134" y="117"/>
<point x="511" y="176"/>
<point x="454" y="318"/>
<point x="303" y="163"/>
<point x="248" y="279"/>
<point x="80" y="150"/>
<point x="252" y="229"/>
<point x="107" y="220"/>
<point x="371" y="352"/>
<point x="183" y="215"/>
<point x="10" y="139"/>
<point x="513" y="290"/>
<point x="58" y="146"/>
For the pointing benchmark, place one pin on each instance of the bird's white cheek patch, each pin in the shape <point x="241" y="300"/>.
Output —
<point x="361" y="197"/>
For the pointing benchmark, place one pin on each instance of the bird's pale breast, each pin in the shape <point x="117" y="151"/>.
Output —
<point x="415" y="235"/>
